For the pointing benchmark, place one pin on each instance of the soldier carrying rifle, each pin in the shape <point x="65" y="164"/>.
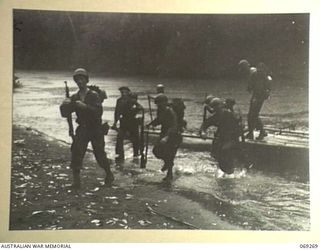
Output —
<point x="87" y="104"/>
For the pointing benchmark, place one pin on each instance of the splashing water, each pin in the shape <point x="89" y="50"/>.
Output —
<point x="249" y="198"/>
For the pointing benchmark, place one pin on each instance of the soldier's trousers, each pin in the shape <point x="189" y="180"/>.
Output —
<point x="79" y="146"/>
<point x="167" y="151"/>
<point x="226" y="151"/>
<point x="131" y="133"/>
<point x="254" y="122"/>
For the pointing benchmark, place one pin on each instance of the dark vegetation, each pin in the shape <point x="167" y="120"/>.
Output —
<point x="161" y="45"/>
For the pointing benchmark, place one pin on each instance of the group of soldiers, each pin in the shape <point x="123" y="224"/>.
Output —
<point x="87" y="104"/>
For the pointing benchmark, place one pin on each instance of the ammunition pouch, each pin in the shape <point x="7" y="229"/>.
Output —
<point x="160" y="150"/>
<point x="65" y="110"/>
<point x="166" y="146"/>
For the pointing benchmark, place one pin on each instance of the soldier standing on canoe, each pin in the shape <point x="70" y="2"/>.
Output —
<point x="126" y="110"/>
<point x="226" y="142"/>
<point x="259" y="86"/>
<point x="87" y="105"/>
<point x="170" y="136"/>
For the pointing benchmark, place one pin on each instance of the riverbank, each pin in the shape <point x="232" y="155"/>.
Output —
<point x="42" y="198"/>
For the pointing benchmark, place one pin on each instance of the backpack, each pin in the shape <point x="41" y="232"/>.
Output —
<point x="178" y="107"/>
<point x="102" y="94"/>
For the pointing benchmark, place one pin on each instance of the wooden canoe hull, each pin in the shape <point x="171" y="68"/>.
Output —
<point x="275" y="153"/>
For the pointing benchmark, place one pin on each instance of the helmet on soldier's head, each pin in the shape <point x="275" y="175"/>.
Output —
<point x="208" y="99"/>
<point x="216" y="103"/>
<point x="161" y="99"/>
<point x="81" y="72"/>
<point x="160" y="88"/>
<point x="244" y="65"/>
<point x="160" y="85"/>
<point x="244" y="62"/>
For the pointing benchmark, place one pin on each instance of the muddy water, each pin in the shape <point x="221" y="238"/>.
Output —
<point x="250" y="199"/>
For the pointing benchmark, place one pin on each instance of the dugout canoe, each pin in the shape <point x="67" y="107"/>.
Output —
<point x="276" y="152"/>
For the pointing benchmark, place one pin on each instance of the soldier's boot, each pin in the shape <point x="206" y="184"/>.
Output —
<point x="135" y="159"/>
<point x="109" y="179"/>
<point x="249" y="135"/>
<point x="169" y="175"/>
<point x="262" y="134"/>
<point x="76" y="179"/>
<point x="119" y="159"/>
<point x="164" y="168"/>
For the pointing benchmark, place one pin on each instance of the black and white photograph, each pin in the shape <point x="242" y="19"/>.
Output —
<point x="160" y="121"/>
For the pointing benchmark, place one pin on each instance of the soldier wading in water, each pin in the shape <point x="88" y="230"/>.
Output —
<point x="170" y="136"/>
<point x="87" y="105"/>
<point x="225" y="146"/>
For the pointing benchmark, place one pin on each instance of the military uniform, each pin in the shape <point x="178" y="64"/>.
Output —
<point x="126" y="110"/>
<point x="89" y="130"/>
<point x="170" y="135"/>
<point x="226" y="143"/>
<point x="259" y="86"/>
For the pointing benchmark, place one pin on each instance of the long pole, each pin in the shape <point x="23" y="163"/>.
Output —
<point x="146" y="148"/>
<point x="143" y="160"/>
<point x="150" y="110"/>
<point x="69" y="117"/>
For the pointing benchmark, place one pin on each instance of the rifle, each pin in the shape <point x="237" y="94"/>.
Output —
<point x="146" y="150"/>
<point x="204" y="110"/>
<point x="69" y="117"/>
<point x="143" y="156"/>
<point x="150" y="110"/>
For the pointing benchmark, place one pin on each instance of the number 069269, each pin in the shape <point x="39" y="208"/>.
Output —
<point x="309" y="246"/>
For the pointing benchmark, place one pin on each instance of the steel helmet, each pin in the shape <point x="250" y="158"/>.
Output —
<point x="243" y="63"/>
<point x="208" y="99"/>
<point x="81" y="72"/>
<point x="216" y="102"/>
<point x="160" y="88"/>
